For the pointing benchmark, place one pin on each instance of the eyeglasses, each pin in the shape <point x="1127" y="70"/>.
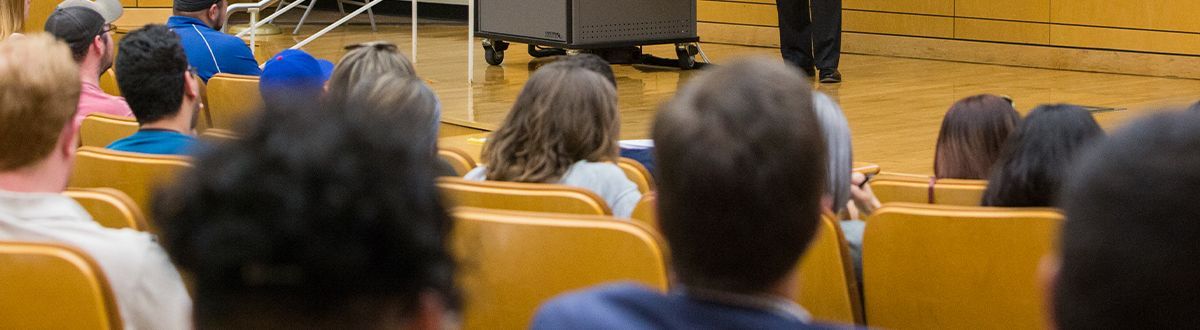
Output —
<point x="108" y="28"/>
<point x="378" y="45"/>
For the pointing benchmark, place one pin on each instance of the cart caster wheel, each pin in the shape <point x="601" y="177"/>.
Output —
<point x="492" y="56"/>
<point x="687" y="56"/>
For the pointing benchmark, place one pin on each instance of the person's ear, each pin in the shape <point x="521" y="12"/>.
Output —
<point x="214" y="12"/>
<point x="1048" y="279"/>
<point x="68" y="140"/>
<point x="191" y="86"/>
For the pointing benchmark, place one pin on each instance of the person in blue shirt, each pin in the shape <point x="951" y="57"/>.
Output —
<point x="740" y="178"/>
<point x="198" y="23"/>
<point x="152" y="72"/>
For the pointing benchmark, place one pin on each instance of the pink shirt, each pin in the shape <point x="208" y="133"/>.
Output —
<point x="92" y="99"/>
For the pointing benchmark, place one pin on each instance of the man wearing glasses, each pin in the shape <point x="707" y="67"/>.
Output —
<point x="86" y="27"/>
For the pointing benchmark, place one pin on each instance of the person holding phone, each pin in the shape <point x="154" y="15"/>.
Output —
<point x="810" y="36"/>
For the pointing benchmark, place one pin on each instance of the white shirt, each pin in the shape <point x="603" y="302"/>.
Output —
<point x="605" y="179"/>
<point x="148" y="289"/>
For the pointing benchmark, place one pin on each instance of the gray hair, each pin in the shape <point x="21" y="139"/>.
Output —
<point x="841" y="153"/>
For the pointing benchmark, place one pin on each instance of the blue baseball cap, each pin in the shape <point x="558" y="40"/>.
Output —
<point x="293" y="72"/>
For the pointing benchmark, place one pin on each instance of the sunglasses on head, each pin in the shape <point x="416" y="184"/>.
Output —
<point x="378" y="45"/>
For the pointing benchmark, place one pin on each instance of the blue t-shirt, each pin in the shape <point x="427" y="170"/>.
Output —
<point x="156" y="141"/>
<point x="212" y="52"/>
<point x="632" y="306"/>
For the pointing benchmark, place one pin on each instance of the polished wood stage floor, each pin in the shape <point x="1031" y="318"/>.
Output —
<point x="894" y="105"/>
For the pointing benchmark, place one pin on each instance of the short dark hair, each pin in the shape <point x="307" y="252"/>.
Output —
<point x="1129" y="243"/>
<point x="150" y="67"/>
<point x="973" y="133"/>
<point x="593" y="63"/>
<point x="1035" y="160"/>
<point x="741" y="170"/>
<point x="310" y="220"/>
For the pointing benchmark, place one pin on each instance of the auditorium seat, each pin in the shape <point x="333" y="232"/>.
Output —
<point x="217" y="135"/>
<point x="512" y="262"/>
<point x="646" y="211"/>
<point x="231" y="98"/>
<point x="517" y="196"/>
<point x="910" y="188"/>
<point x="868" y="169"/>
<point x="50" y="286"/>
<point x="827" y="285"/>
<point x="108" y="83"/>
<point x="101" y="129"/>
<point x="137" y="175"/>
<point x="956" y="267"/>
<point x="459" y="160"/>
<point x="637" y="173"/>
<point x="109" y="207"/>
<point x="454" y="127"/>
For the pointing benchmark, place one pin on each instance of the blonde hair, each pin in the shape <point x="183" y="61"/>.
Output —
<point x="12" y="17"/>
<point x="40" y="92"/>
<point x="397" y="97"/>
<point x="366" y="61"/>
<point x="562" y="116"/>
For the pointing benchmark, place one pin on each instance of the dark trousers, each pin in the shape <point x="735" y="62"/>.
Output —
<point x="807" y="41"/>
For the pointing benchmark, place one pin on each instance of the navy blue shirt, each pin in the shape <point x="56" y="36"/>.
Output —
<point x="212" y="52"/>
<point x="156" y="141"/>
<point x="632" y="306"/>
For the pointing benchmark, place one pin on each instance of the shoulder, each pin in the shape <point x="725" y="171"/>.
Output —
<point x="622" y="305"/>
<point x="477" y="174"/>
<point x="588" y="173"/>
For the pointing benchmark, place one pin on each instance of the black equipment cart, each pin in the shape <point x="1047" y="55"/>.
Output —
<point x="557" y="27"/>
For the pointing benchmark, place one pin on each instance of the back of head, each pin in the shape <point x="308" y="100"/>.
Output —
<point x="293" y="77"/>
<point x="593" y="63"/>
<point x="39" y="89"/>
<point x="399" y="97"/>
<point x="310" y="221"/>
<point x="1038" y="155"/>
<point x="563" y="115"/>
<point x="1129" y="243"/>
<point x="741" y="166"/>
<point x="366" y="61"/>
<point x="150" y="71"/>
<point x="78" y="27"/>
<point x="972" y="134"/>
<point x="12" y="17"/>
<point x="841" y="151"/>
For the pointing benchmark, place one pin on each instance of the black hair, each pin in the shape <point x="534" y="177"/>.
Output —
<point x="1038" y="154"/>
<point x="312" y="219"/>
<point x="594" y="63"/>
<point x="150" y="70"/>
<point x="741" y="170"/>
<point x="1129" y="245"/>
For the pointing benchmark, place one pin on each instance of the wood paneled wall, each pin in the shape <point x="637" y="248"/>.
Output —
<point x="1148" y="26"/>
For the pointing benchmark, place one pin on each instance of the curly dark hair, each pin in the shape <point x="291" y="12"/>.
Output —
<point x="150" y="66"/>
<point x="312" y="219"/>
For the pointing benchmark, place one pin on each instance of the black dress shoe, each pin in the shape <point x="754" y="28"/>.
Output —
<point x="810" y="72"/>
<point x="831" y="76"/>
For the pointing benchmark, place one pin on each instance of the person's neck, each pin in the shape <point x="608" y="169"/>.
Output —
<point x="180" y="123"/>
<point x="89" y="73"/>
<point x="36" y="179"/>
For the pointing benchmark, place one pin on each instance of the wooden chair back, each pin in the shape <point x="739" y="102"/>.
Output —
<point x="828" y="287"/>
<point x="954" y="267"/>
<point x="512" y="262"/>
<point x="108" y="83"/>
<point x="231" y="98"/>
<point x="515" y="196"/>
<point x="109" y="207"/>
<point x="646" y="211"/>
<point x="637" y="173"/>
<point x="459" y="160"/>
<point x="101" y="129"/>
<point x="136" y="175"/>
<point x="908" y="188"/>
<point x="53" y="286"/>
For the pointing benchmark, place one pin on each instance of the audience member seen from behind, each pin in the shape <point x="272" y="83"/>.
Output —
<point x="972" y="134"/>
<point x="86" y="27"/>
<point x="152" y="71"/>
<point x="40" y="89"/>
<point x="640" y="150"/>
<point x="294" y="78"/>
<point x="199" y="23"/>
<point x="365" y="62"/>
<point x="399" y="97"/>
<point x="313" y="221"/>
<point x="1128" y="256"/>
<point x="735" y="235"/>
<point x="1038" y="156"/>
<point x="562" y="129"/>
<point x="843" y="187"/>
<point x="13" y="14"/>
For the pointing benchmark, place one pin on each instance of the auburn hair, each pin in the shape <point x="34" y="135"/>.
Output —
<point x="972" y="136"/>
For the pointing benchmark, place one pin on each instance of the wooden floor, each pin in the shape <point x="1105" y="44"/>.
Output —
<point x="894" y="105"/>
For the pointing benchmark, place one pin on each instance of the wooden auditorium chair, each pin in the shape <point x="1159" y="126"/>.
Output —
<point x="108" y="83"/>
<point x="231" y="98"/>
<point x="517" y="196"/>
<point x="646" y="211"/>
<point x="637" y="173"/>
<point x="459" y="160"/>
<point x="512" y="262"/>
<point x="868" y="169"/>
<point x="136" y="175"/>
<point x="217" y="135"/>
<point x="109" y="207"/>
<point x="909" y="188"/>
<point x="101" y="129"/>
<point x="955" y="267"/>
<point x="828" y="287"/>
<point x="51" y="286"/>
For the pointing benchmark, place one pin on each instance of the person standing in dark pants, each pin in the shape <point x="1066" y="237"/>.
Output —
<point x="812" y="39"/>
